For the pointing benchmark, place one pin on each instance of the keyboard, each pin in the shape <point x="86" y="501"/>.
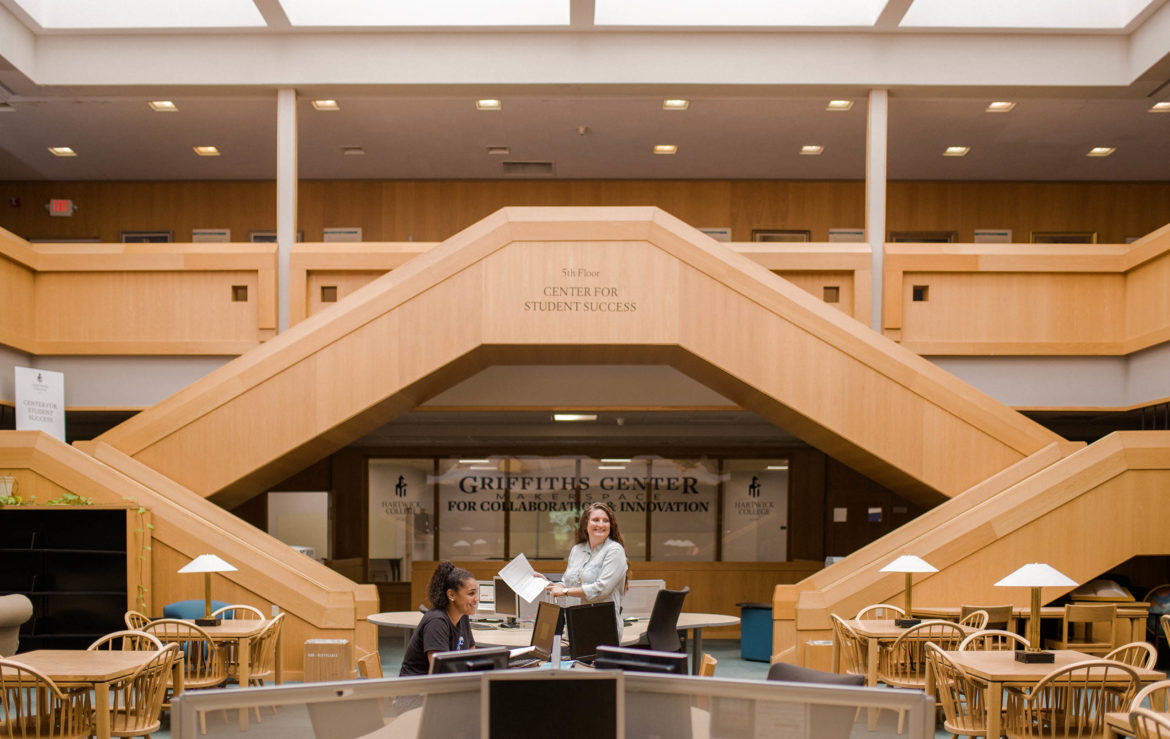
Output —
<point x="522" y="662"/>
<point x="480" y="626"/>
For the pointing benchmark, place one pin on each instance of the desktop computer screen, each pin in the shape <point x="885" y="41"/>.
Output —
<point x="470" y="660"/>
<point x="521" y="703"/>
<point x="507" y="602"/>
<point x="588" y="626"/>
<point x="641" y="660"/>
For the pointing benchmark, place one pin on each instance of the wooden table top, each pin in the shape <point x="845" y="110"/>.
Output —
<point x="235" y="628"/>
<point x="1123" y="609"/>
<point x="885" y="629"/>
<point x="1001" y="666"/>
<point x="80" y="665"/>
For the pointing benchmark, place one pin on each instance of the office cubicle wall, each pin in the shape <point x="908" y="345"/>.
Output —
<point x="456" y="706"/>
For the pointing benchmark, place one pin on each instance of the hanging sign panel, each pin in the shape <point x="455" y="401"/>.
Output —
<point x="40" y="401"/>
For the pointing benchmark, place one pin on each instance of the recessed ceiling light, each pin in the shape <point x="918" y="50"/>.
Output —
<point x="483" y="467"/>
<point x="489" y="104"/>
<point x="7" y="108"/>
<point x="1001" y="106"/>
<point x="207" y="151"/>
<point x="474" y="461"/>
<point x="326" y="105"/>
<point x="163" y="106"/>
<point x="676" y="104"/>
<point x="611" y="466"/>
<point x="615" y="460"/>
<point x="839" y="105"/>
<point x="1161" y="108"/>
<point x="956" y="151"/>
<point x="499" y="151"/>
<point x="62" y="151"/>
<point x="574" y="416"/>
<point x="665" y="148"/>
<point x="812" y="149"/>
<point x="776" y="467"/>
<point x="1101" y="151"/>
<point x="353" y="151"/>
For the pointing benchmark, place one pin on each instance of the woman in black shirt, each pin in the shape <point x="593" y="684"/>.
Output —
<point x="454" y="595"/>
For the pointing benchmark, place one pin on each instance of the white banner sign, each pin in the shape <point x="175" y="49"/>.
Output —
<point x="40" y="401"/>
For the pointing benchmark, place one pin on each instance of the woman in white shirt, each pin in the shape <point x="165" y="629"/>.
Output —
<point x="596" y="571"/>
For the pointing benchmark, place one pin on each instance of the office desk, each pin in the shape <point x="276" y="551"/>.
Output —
<point x="999" y="669"/>
<point x="694" y="623"/>
<point x="97" y="670"/>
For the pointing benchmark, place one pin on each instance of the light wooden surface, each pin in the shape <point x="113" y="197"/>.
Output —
<point x="97" y="669"/>
<point x="1130" y="627"/>
<point x="1117" y="725"/>
<point x="318" y="602"/>
<point x="999" y="669"/>
<point x="394" y="343"/>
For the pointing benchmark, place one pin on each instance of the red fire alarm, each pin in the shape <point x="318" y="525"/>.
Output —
<point x="60" y="207"/>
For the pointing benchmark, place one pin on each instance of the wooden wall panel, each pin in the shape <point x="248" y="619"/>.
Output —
<point x="399" y="210"/>
<point x="815" y="283"/>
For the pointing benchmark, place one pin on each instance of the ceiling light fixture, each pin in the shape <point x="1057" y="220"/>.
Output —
<point x="957" y="151"/>
<point x="811" y="150"/>
<point x="206" y="151"/>
<point x="615" y="460"/>
<point x="568" y="417"/>
<point x="1160" y="108"/>
<point x="353" y="151"/>
<point x="839" y="105"/>
<point x="665" y="149"/>
<point x="326" y="105"/>
<point x="7" y="108"/>
<point x="999" y="107"/>
<point x="474" y="461"/>
<point x="489" y="104"/>
<point x="498" y="151"/>
<point x="676" y="104"/>
<point x="62" y="151"/>
<point x="776" y="467"/>
<point x="163" y="106"/>
<point x="1101" y="151"/>
<point x="611" y="466"/>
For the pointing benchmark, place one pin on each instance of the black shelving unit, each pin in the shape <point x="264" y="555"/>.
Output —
<point x="71" y="562"/>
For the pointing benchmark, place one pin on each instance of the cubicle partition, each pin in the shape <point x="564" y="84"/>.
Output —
<point x="562" y="703"/>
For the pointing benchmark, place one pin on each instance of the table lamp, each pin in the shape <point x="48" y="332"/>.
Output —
<point x="207" y="564"/>
<point x="1036" y="575"/>
<point x="909" y="564"/>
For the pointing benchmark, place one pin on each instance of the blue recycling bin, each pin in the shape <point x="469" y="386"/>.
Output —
<point x="755" y="631"/>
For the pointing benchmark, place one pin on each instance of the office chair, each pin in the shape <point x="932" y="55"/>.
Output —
<point x="662" y="631"/>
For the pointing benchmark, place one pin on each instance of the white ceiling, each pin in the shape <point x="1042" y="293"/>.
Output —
<point x="586" y="99"/>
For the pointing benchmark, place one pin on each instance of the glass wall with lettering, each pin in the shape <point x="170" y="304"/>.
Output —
<point x="471" y="508"/>
<point x="621" y="484"/>
<point x="684" y="495"/>
<point x="755" y="510"/>
<point x="542" y="506"/>
<point x="402" y="516"/>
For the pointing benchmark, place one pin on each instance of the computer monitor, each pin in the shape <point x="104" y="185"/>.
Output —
<point x="550" y="622"/>
<point x="507" y="602"/>
<point x="641" y="660"/>
<point x="470" y="660"/>
<point x="534" y="704"/>
<point x="588" y="626"/>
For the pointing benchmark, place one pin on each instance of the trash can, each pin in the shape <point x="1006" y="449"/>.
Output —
<point x="755" y="631"/>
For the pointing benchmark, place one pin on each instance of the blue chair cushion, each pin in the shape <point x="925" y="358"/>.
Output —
<point x="189" y="608"/>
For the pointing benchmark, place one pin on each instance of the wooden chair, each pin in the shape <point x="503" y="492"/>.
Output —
<point x="239" y="612"/>
<point x="993" y="640"/>
<point x="879" y="612"/>
<point x="1086" y="628"/>
<point x="135" y="620"/>
<point x="1149" y="724"/>
<point x="849" y="644"/>
<point x="203" y="660"/>
<point x="998" y="617"/>
<point x="136" y="702"/>
<point x="1070" y="702"/>
<point x="1165" y="621"/>
<point x="370" y="665"/>
<point x="975" y="619"/>
<point x="707" y="666"/>
<point x="962" y="698"/>
<point x="1135" y="654"/>
<point x="127" y="641"/>
<point x="33" y="707"/>
<point x="903" y="663"/>
<point x="262" y="656"/>
<point x="1152" y="696"/>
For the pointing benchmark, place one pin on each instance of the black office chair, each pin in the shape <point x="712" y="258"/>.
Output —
<point x="784" y="672"/>
<point x="662" y="631"/>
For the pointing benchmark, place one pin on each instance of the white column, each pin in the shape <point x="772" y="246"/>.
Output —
<point x="286" y="197"/>
<point x="876" y="125"/>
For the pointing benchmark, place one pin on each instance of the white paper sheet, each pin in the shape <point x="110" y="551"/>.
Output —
<point x="523" y="579"/>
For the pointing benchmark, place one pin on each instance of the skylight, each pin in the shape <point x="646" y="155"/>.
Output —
<point x="380" y="13"/>
<point x="1032" y="14"/>
<point x="92" y="14"/>
<point x="763" y="13"/>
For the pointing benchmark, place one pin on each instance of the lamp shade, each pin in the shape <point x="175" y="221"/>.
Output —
<point x="207" y="563"/>
<point x="1036" y="575"/>
<point x="909" y="563"/>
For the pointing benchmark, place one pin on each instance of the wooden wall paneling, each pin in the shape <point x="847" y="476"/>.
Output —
<point x="815" y="206"/>
<point x="349" y="496"/>
<point x="17" y="298"/>
<point x="806" y="505"/>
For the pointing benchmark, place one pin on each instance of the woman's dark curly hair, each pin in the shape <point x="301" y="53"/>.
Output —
<point x="447" y="577"/>
<point x="583" y="523"/>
